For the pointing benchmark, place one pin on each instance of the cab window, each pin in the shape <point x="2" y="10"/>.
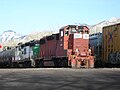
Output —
<point x="86" y="32"/>
<point x="61" y="33"/>
<point x="80" y="31"/>
<point x="66" y="33"/>
<point x="73" y="31"/>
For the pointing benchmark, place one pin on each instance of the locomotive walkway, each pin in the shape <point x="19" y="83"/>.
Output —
<point x="60" y="79"/>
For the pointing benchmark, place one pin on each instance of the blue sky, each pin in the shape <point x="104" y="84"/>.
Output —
<point x="27" y="16"/>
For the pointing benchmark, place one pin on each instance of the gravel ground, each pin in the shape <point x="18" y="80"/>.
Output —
<point x="60" y="79"/>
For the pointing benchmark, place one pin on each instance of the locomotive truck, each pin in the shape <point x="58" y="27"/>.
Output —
<point x="68" y="48"/>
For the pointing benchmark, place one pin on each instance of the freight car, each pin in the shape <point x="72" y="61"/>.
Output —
<point x="95" y="42"/>
<point x="106" y="46"/>
<point x="111" y="45"/>
<point x="6" y="57"/>
<point x="69" y="47"/>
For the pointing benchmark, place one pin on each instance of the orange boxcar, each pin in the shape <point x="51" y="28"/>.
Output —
<point x="111" y="44"/>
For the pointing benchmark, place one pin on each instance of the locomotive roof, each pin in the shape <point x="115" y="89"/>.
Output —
<point x="111" y="25"/>
<point x="94" y="34"/>
<point x="72" y="26"/>
<point x="29" y="43"/>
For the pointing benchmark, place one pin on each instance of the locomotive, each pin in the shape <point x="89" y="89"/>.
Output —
<point x="68" y="48"/>
<point x="22" y="55"/>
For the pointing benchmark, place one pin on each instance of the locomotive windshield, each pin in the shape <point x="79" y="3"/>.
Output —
<point x="76" y="31"/>
<point x="73" y="31"/>
<point x="80" y="30"/>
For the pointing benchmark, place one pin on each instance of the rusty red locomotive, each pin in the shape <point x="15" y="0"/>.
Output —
<point x="69" y="47"/>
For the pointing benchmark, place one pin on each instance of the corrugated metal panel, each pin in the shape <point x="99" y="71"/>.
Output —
<point x="111" y="43"/>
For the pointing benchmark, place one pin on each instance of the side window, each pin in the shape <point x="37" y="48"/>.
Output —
<point x="76" y="27"/>
<point x="86" y="32"/>
<point x="61" y="33"/>
<point x="66" y="33"/>
<point x="24" y="50"/>
<point x="19" y="48"/>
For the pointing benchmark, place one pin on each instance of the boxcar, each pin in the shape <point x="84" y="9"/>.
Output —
<point x="111" y="45"/>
